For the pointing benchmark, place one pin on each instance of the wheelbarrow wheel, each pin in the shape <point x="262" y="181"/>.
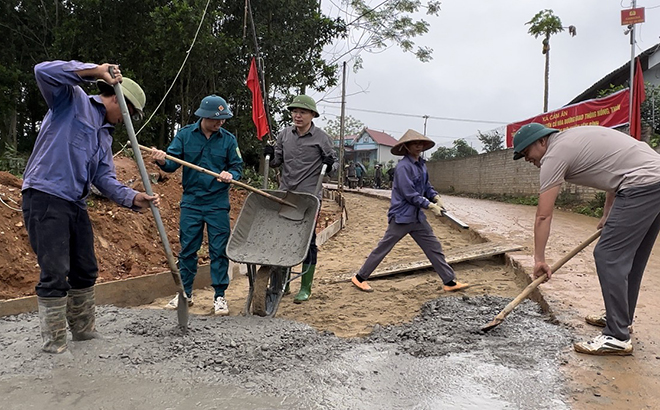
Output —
<point x="260" y="291"/>
<point x="268" y="290"/>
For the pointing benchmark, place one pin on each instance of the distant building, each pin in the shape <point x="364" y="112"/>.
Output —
<point x="368" y="147"/>
<point x="649" y="60"/>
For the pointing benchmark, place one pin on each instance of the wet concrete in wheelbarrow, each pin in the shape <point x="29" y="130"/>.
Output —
<point x="439" y="360"/>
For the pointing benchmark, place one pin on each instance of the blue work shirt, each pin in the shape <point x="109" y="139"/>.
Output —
<point x="74" y="145"/>
<point x="411" y="190"/>
<point x="218" y="153"/>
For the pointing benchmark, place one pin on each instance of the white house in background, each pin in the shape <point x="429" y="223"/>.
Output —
<point x="368" y="147"/>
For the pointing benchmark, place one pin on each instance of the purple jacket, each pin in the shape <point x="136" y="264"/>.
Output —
<point x="74" y="146"/>
<point x="411" y="190"/>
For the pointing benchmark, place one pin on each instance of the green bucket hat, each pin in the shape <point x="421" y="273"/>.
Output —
<point x="132" y="92"/>
<point x="527" y="135"/>
<point x="214" y="107"/>
<point x="305" y="102"/>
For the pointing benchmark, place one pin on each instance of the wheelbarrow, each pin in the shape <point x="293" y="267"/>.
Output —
<point x="271" y="245"/>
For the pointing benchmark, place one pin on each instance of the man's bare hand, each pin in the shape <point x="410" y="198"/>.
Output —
<point x="158" y="155"/>
<point x="541" y="268"/>
<point x="225" y="177"/>
<point x="142" y="200"/>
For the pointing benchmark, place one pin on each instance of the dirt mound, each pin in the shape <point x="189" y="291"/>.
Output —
<point x="127" y="243"/>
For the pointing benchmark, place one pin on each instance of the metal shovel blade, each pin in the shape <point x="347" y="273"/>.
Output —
<point x="182" y="312"/>
<point x="291" y="213"/>
<point x="493" y="323"/>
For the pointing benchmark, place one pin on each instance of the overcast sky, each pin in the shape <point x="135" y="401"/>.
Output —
<point x="486" y="67"/>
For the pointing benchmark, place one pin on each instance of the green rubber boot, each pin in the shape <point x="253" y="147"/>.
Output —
<point x="81" y="314"/>
<point x="52" y="321"/>
<point x="305" y="284"/>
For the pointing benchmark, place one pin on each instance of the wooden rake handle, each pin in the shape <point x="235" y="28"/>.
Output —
<point x="515" y="302"/>
<point x="216" y="175"/>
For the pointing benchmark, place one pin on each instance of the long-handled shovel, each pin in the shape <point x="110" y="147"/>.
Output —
<point x="182" y="306"/>
<point x="293" y="207"/>
<point x="515" y="302"/>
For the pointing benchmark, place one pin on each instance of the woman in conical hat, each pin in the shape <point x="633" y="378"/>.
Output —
<point x="410" y="136"/>
<point x="411" y="194"/>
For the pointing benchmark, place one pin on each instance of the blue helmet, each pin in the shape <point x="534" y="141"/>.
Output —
<point x="214" y="107"/>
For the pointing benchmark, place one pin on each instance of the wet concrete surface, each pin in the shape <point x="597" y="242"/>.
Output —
<point x="441" y="360"/>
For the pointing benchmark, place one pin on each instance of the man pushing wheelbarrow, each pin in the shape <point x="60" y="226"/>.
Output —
<point x="273" y="236"/>
<point x="301" y="150"/>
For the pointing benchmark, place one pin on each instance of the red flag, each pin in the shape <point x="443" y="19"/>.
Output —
<point x="639" y="95"/>
<point x="258" y="111"/>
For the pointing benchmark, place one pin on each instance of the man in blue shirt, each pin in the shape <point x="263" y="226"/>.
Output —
<point x="411" y="193"/>
<point x="72" y="152"/>
<point x="205" y="199"/>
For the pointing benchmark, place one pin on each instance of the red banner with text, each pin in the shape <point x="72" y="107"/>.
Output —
<point x="611" y="111"/>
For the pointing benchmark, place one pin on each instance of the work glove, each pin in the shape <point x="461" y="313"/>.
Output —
<point x="438" y="201"/>
<point x="437" y="210"/>
<point x="329" y="161"/>
<point x="269" y="150"/>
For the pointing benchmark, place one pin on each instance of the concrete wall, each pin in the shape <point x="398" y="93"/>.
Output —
<point x="493" y="173"/>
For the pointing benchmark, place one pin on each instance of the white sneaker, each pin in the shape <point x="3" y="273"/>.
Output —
<point x="174" y="303"/>
<point x="600" y="321"/>
<point x="605" y="346"/>
<point x="220" y="306"/>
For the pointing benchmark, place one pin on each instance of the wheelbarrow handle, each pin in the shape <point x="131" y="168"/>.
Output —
<point x="216" y="175"/>
<point x="319" y="184"/>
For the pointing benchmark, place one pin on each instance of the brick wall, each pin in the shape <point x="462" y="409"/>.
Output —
<point x="493" y="173"/>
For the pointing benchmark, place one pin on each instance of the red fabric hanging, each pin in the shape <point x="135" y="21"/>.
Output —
<point x="258" y="110"/>
<point x="639" y="95"/>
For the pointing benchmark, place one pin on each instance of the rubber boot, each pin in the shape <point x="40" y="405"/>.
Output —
<point x="81" y="314"/>
<point x="52" y="321"/>
<point x="305" y="284"/>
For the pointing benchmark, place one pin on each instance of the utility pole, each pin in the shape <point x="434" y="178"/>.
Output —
<point x="340" y="174"/>
<point x="632" y="68"/>
<point x="426" y="117"/>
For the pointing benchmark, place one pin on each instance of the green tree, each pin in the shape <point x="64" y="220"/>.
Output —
<point x="545" y="24"/>
<point x="352" y="126"/>
<point x="650" y="110"/>
<point x="460" y="149"/>
<point x="463" y="149"/>
<point x="442" y="153"/>
<point x="491" y="141"/>
<point x="373" y="29"/>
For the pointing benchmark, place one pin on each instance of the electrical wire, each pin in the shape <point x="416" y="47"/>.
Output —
<point x="175" y="77"/>
<point x="423" y="116"/>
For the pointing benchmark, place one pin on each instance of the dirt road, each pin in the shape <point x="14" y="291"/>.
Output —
<point x="423" y="351"/>
<point x="595" y="382"/>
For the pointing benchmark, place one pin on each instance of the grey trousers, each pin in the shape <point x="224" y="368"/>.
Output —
<point x="623" y="251"/>
<point x="422" y="233"/>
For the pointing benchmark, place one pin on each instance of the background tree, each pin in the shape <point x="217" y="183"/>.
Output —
<point x="463" y="149"/>
<point x="352" y="126"/>
<point x="460" y="149"/>
<point x="546" y="24"/>
<point x="650" y="111"/>
<point x="442" y="153"/>
<point x="152" y="41"/>
<point x="372" y="29"/>
<point x="491" y="141"/>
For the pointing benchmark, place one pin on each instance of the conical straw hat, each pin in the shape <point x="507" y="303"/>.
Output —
<point x="411" y="135"/>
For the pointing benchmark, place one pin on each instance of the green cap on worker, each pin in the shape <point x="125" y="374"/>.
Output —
<point x="214" y="107"/>
<point x="527" y="135"/>
<point x="132" y="92"/>
<point x="304" y="101"/>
